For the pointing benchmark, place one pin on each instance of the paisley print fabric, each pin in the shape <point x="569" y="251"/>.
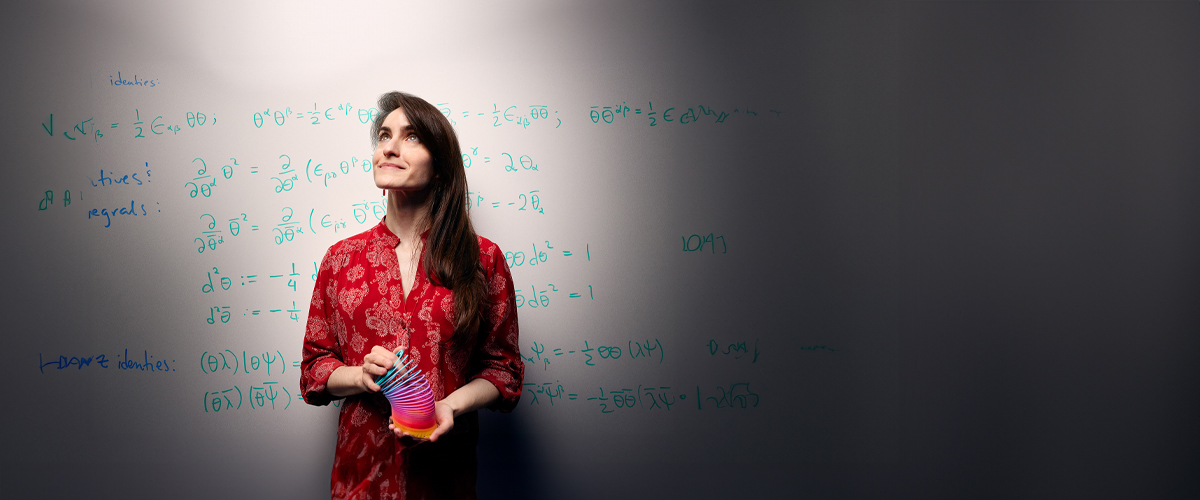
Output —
<point x="358" y="302"/>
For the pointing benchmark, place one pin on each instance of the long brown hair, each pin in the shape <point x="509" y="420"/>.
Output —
<point x="451" y="249"/>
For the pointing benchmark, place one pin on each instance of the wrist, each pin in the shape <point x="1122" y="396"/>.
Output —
<point x="455" y="409"/>
<point x="363" y="377"/>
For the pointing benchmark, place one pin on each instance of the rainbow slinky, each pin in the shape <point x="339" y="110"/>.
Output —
<point x="410" y="396"/>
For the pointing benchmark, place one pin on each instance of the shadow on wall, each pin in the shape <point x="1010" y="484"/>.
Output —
<point x="508" y="465"/>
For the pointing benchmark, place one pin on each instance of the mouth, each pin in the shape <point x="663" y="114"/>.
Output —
<point x="390" y="165"/>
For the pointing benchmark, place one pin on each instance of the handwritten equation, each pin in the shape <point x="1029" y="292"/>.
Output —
<point x="282" y="179"/>
<point x="537" y="256"/>
<point x="220" y="315"/>
<point x="214" y="362"/>
<point x="645" y="397"/>
<point x="264" y="396"/>
<point x="530" y="202"/>
<point x="505" y="160"/>
<point x="210" y="236"/>
<point x="526" y="116"/>
<point x="317" y="114"/>
<point x="535" y="298"/>
<point x="224" y="283"/>
<point x="140" y="125"/>
<point x="672" y="114"/>
<point x="647" y="349"/>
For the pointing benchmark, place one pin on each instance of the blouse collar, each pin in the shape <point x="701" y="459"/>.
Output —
<point x="381" y="232"/>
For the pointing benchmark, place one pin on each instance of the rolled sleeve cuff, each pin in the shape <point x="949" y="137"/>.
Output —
<point x="315" y="378"/>
<point x="510" y="389"/>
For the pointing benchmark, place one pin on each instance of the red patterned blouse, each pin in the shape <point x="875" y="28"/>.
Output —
<point x="359" y="303"/>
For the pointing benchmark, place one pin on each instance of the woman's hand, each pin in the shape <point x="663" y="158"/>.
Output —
<point x="351" y="380"/>
<point x="442" y="412"/>
<point x="445" y="419"/>
<point x="476" y="394"/>
<point x="375" y="364"/>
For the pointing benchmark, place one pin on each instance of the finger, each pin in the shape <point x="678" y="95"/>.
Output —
<point x="399" y="432"/>
<point x="377" y="362"/>
<point x="385" y="356"/>
<point x="373" y="369"/>
<point x="445" y="423"/>
<point x="368" y="382"/>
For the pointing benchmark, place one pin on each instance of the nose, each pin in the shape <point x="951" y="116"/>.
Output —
<point x="389" y="147"/>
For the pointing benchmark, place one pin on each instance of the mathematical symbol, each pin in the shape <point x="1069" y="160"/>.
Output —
<point x="114" y="125"/>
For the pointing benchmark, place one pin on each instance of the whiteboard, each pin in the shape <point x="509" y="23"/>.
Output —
<point x="711" y="236"/>
<point x="205" y="158"/>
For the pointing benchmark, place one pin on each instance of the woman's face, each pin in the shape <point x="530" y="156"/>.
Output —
<point x="400" y="161"/>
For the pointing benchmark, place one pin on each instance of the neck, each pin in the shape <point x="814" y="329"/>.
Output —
<point x="407" y="214"/>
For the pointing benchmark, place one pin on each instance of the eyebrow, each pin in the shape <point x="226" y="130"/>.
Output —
<point x="406" y="128"/>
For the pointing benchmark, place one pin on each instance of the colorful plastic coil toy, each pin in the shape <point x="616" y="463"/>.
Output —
<point x="410" y="396"/>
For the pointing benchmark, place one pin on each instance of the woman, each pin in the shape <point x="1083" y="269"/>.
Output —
<point x="421" y="281"/>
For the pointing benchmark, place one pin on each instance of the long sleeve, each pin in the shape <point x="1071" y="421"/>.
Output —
<point x="322" y="352"/>
<point x="498" y="358"/>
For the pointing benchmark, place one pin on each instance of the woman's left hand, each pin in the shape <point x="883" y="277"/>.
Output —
<point x="445" y="419"/>
<point x="442" y="412"/>
<point x="476" y="394"/>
